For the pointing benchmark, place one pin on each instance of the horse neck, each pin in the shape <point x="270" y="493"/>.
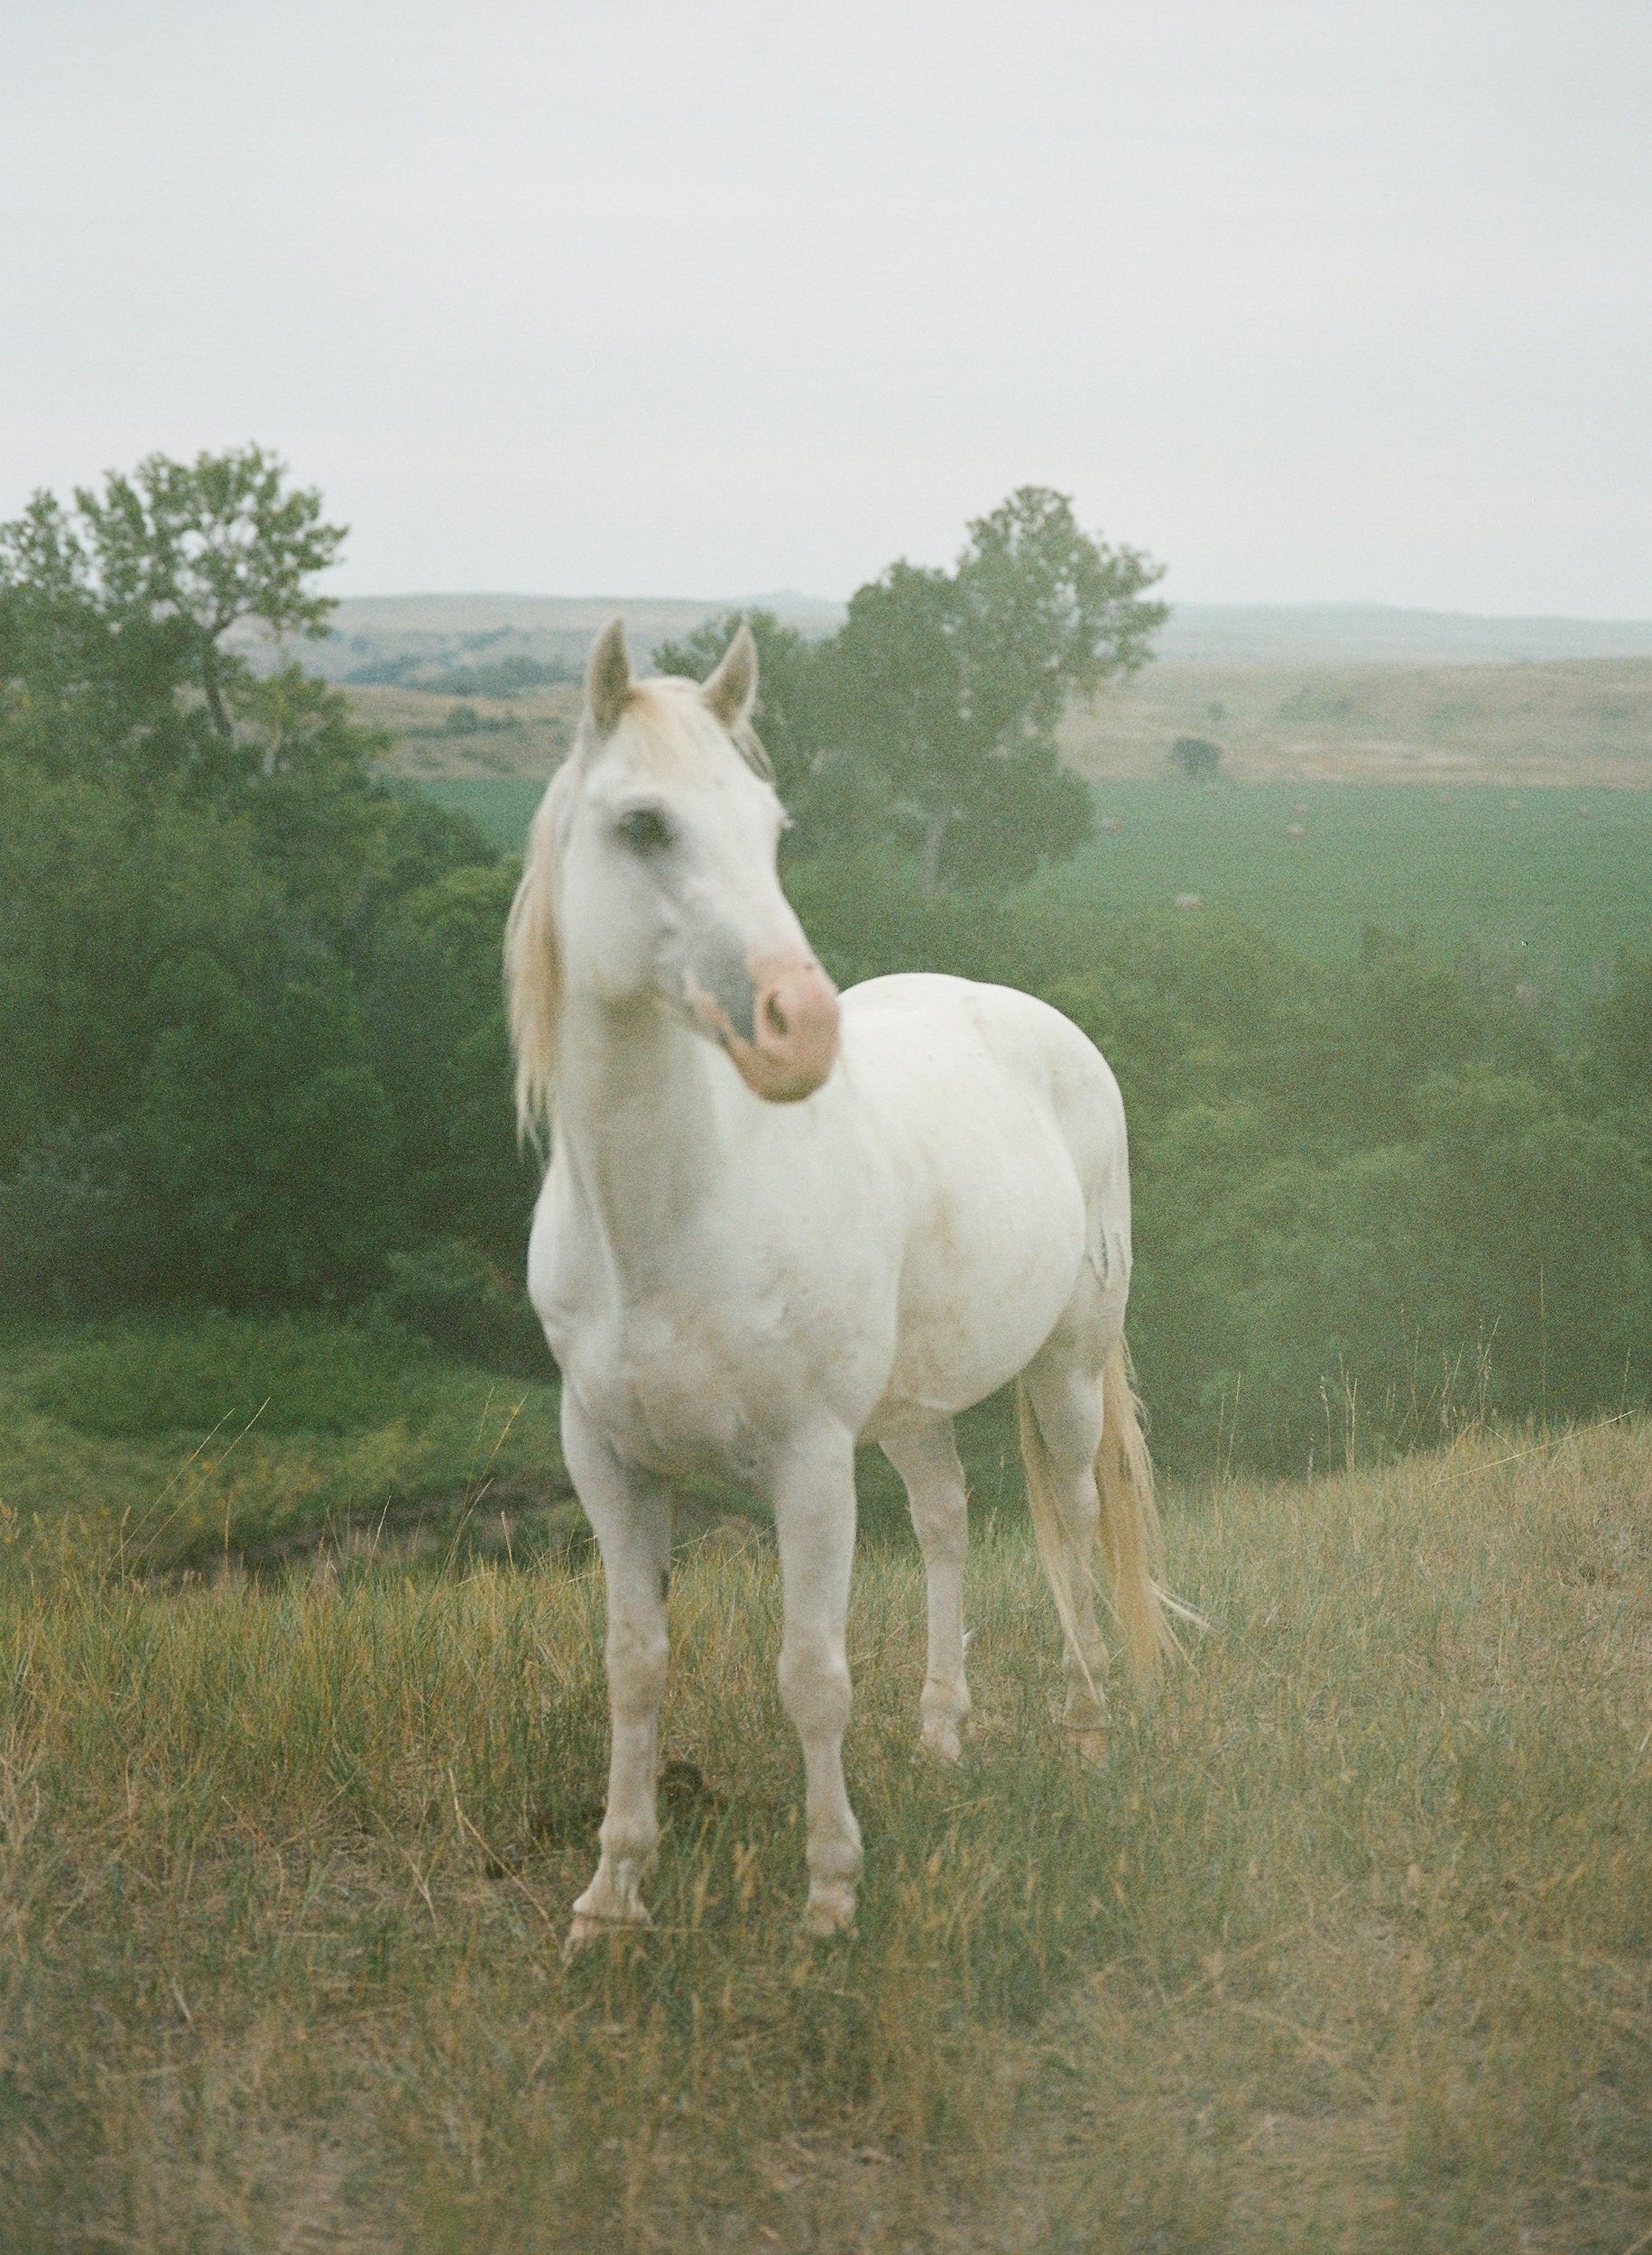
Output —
<point x="637" y="1123"/>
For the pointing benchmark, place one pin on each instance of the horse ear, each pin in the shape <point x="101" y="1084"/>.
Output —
<point x="608" y="678"/>
<point x="732" y="690"/>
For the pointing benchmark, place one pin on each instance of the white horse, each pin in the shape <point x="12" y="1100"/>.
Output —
<point x="776" y="1224"/>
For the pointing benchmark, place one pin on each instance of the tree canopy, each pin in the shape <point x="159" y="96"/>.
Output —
<point x="954" y="682"/>
<point x="114" y="613"/>
<point x="929" y="719"/>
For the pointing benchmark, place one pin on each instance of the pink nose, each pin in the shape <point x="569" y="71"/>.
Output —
<point x="794" y="1019"/>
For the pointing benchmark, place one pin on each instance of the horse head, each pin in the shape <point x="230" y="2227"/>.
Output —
<point x="650" y="883"/>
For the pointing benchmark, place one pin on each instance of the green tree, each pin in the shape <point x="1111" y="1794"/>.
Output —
<point x="114" y="614"/>
<point x="210" y="543"/>
<point x="954" y="682"/>
<point x="1195" y="758"/>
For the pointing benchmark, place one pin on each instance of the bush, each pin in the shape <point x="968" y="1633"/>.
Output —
<point x="67" y="1242"/>
<point x="449" y="1293"/>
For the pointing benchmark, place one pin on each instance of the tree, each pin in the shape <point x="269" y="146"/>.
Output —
<point x="210" y="543"/>
<point x="113" y="615"/>
<point x="1196" y="758"/>
<point x="954" y="682"/>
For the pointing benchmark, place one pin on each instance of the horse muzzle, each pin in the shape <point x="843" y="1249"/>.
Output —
<point x="792" y="1046"/>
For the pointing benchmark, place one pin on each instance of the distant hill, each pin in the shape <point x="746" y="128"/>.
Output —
<point x="408" y="640"/>
<point x="1351" y="633"/>
<point x="1302" y="689"/>
<point x="1569" y="722"/>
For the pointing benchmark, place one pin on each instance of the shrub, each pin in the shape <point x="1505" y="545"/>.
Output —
<point x="68" y="1243"/>
<point x="449" y="1293"/>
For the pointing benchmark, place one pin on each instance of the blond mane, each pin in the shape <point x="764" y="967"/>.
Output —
<point x="533" y="964"/>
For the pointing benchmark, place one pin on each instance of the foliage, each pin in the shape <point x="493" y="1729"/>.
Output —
<point x="1195" y="758"/>
<point x="256" y="1059"/>
<point x="791" y="715"/>
<point x="1371" y="1198"/>
<point x="111" y="610"/>
<point x="297" y="1375"/>
<point x="929" y="719"/>
<point x="211" y="975"/>
<point x="165" y="1442"/>
<point x="952" y="682"/>
<point x="510" y="675"/>
<point x="1622" y="1026"/>
<point x="449" y="1292"/>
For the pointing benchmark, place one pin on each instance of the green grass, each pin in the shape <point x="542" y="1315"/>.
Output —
<point x="295" y="1376"/>
<point x="500" y="807"/>
<point x="178" y="1445"/>
<point x="1349" y="1947"/>
<point x="1519" y="874"/>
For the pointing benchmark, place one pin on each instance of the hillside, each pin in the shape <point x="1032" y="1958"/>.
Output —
<point x="1575" y="724"/>
<point x="1346" y="1947"/>
<point x="408" y="637"/>
<point x="1348" y="634"/>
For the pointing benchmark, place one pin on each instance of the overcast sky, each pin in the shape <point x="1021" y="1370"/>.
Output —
<point x="1316" y="302"/>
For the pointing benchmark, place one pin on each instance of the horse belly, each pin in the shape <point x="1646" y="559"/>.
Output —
<point x="994" y="1257"/>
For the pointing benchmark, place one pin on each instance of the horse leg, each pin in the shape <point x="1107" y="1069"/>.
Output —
<point x="926" y="1459"/>
<point x="1064" y="1391"/>
<point x="631" y="1518"/>
<point x="813" y="1519"/>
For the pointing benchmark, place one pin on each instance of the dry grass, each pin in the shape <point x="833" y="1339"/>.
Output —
<point x="1348" y="1948"/>
<point x="527" y="734"/>
<point x="1577" y="723"/>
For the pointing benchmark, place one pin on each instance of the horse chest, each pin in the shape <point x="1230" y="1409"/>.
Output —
<point x="705" y="1355"/>
<point x="683" y="1384"/>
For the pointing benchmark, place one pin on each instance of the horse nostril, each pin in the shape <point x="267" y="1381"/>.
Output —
<point x="774" y="1017"/>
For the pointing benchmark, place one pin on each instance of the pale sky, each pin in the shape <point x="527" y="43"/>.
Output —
<point x="1316" y="302"/>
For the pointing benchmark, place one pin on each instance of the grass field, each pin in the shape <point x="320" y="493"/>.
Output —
<point x="1350" y="1947"/>
<point x="1552" y="891"/>
<point x="176" y="1447"/>
<point x="171" y="1448"/>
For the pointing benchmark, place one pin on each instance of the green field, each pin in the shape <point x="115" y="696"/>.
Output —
<point x="1552" y="892"/>
<point x="1347" y="1948"/>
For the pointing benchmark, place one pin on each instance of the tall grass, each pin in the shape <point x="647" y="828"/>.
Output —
<point x="1350" y="1946"/>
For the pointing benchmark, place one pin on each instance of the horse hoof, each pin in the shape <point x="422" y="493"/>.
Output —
<point x="941" y="1740"/>
<point x="1091" y="1746"/>
<point x="585" y="1929"/>
<point x="830" y="1910"/>
<point x="580" y="1935"/>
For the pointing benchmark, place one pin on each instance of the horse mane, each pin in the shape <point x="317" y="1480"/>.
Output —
<point x="533" y="964"/>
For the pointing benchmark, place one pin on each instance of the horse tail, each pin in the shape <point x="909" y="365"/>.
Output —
<point x="1129" y="1529"/>
<point x="1130" y="1533"/>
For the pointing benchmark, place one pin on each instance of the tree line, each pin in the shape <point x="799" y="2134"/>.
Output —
<point x="255" y="1057"/>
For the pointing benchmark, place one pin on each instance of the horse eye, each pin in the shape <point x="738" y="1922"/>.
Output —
<point x="645" y="830"/>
